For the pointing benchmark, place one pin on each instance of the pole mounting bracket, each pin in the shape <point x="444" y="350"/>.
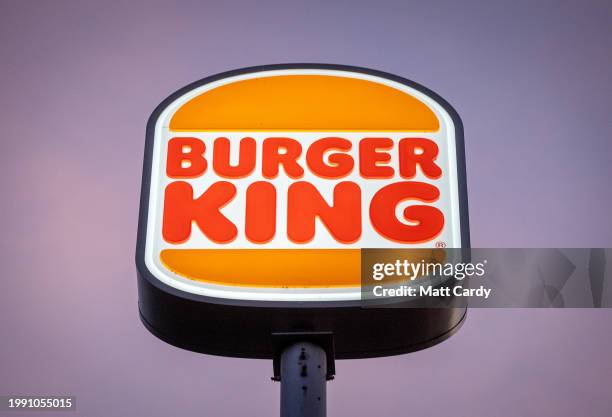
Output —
<point x="282" y="340"/>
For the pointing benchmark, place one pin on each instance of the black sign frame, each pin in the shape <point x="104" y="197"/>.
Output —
<point x="243" y="328"/>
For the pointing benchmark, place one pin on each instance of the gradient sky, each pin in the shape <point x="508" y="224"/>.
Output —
<point x="530" y="79"/>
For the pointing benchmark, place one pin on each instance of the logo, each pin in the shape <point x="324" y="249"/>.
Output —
<point x="267" y="184"/>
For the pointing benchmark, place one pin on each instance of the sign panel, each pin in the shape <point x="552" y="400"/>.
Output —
<point x="262" y="187"/>
<point x="265" y="185"/>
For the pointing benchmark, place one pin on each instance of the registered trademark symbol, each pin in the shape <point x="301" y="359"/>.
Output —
<point x="440" y="244"/>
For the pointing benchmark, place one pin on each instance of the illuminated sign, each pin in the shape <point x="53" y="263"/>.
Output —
<point x="264" y="185"/>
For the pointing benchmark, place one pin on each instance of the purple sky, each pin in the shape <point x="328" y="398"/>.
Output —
<point x="531" y="81"/>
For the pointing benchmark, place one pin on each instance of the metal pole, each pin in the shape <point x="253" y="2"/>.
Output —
<point x="303" y="379"/>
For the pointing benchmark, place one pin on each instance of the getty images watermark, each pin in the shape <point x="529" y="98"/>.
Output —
<point x="486" y="277"/>
<point x="406" y="271"/>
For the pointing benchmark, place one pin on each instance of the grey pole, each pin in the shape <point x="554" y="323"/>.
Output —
<point x="303" y="378"/>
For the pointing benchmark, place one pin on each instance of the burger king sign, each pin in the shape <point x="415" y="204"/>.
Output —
<point x="262" y="186"/>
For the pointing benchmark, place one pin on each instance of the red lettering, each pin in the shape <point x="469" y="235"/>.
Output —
<point x="370" y="158"/>
<point x="418" y="151"/>
<point x="281" y="151"/>
<point x="260" y="216"/>
<point x="342" y="219"/>
<point x="429" y="220"/>
<point x="185" y="158"/>
<point x="180" y="209"/>
<point x="340" y="164"/>
<point x="246" y="154"/>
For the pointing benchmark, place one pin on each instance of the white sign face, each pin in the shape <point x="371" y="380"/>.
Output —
<point x="266" y="185"/>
